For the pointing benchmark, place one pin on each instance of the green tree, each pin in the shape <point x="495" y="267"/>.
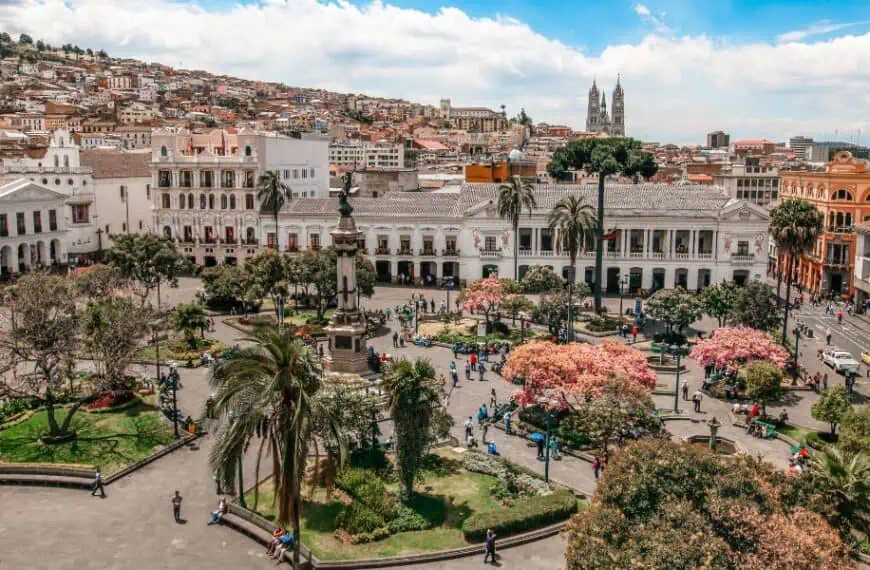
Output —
<point x="412" y="398"/>
<point x="795" y="225"/>
<point x="575" y="219"/>
<point x="40" y="45"/>
<point x="268" y="269"/>
<point x="603" y="418"/>
<point x="148" y="261"/>
<point x="839" y="487"/>
<point x="832" y="407"/>
<point x="855" y="431"/>
<point x="266" y="394"/>
<point x="319" y="269"/>
<point x="719" y="300"/>
<point x="189" y="318"/>
<point x="5" y="38"/>
<point x="225" y="284"/>
<point x="515" y="305"/>
<point x="604" y="157"/>
<point x="100" y="281"/>
<point x="674" y="307"/>
<point x="514" y="197"/>
<point x="553" y="308"/>
<point x="539" y="279"/>
<point x="102" y="54"/>
<point x="763" y="383"/>
<point x="272" y="193"/>
<point x="25" y="40"/>
<point x="756" y="307"/>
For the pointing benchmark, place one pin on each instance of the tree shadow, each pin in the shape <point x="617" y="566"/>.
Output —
<point x="321" y="517"/>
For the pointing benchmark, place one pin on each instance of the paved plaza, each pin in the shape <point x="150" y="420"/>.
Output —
<point x="133" y="526"/>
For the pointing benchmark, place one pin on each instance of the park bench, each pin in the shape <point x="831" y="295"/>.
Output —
<point x="37" y="475"/>
<point x="259" y="529"/>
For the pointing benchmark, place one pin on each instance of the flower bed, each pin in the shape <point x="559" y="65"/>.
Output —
<point x="112" y="400"/>
<point x="525" y="514"/>
<point x="181" y="351"/>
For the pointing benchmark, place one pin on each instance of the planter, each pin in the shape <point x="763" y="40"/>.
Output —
<point x="128" y="404"/>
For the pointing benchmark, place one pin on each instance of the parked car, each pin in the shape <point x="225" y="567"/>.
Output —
<point x="840" y="360"/>
<point x="865" y="357"/>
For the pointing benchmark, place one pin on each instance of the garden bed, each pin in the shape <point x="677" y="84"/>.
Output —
<point x="451" y="503"/>
<point x="110" y="440"/>
<point x="307" y="319"/>
<point x="180" y="350"/>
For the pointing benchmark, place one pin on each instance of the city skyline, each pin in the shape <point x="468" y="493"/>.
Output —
<point x="683" y="79"/>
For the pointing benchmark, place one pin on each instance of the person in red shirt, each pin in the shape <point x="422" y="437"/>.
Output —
<point x="473" y="360"/>
<point x="754" y="411"/>
<point x="634" y="333"/>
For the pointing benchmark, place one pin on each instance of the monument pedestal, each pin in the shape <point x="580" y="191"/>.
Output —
<point x="347" y="343"/>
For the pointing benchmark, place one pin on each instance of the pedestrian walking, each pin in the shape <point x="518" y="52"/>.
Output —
<point x="485" y="431"/>
<point x="492" y="400"/>
<point x="98" y="485"/>
<point x="507" y="422"/>
<point x="490" y="546"/>
<point x="596" y="466"/>
<point x="455" y="379"/>
<point x="696" y="400"/>
<point x="395" y="339"/>
<point x="432" y="305"/>
<point x="176" y="506"/>
<point x="467" y="370"/>
<point x="469" y="427"/>
<point x="828" y="335"/>
<point x="825" y="381"/>
<point x="685" y="389"/>
<point x="634" y="333"/>
<point x="389" y="312"/>
<point x="480" y="370"/>
<point x="624" y="330"/>
<point x="840" y="317"/>
<point x="540" y="444"/>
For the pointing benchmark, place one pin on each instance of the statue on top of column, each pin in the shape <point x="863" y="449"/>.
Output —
<point x="344" y="207"/>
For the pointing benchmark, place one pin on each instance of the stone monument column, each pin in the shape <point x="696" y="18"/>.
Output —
<point x="346" y="330"/>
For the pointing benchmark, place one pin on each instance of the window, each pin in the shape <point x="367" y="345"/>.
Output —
<point x="224" y="202"/>
<point x="57" y="181"/>
<point x="188" y="233"/>
<point x="232" y="201"/>
<point x="165" y="201"/>
<point x="286" y="174"/>
<point x="249" y="201"/>
<point x="19" y="221"/>
<point x="205" y="179"/>
<point x="250" y="236"/>
<point x="202" y="201"/>
<point x="842" y="195"/>
<point x="314" y="241"/>
<point x="4" y="226"/>
<point x="37" y="222"/>
<point x="211" y="201"/>
<point x="164" y="179"/>
<point x="167" y="232"/>
<point x="56" y="162"/>
<point x="44" y="181"/>
<point x="108" y="231"/>
<point x="271" y="240"/>
<point x="186" y="179"/>
<point x="742" y="248"/>
<point x="292" y="242"/>
<point x="249" y="179"/>
<point x="295" y="173"/>
<point x="311" y="173"/>
<point x="148" y="191"/>
<point x="123" y="194"/>
<point x="228" y="179"/>
<point x="181" y="201"/>
<point x="248" y="150"/>
<point x="163" y="151"/>
<point x="123" y="226"/>
<point x="450" y="241"/>
<point x="140" y="224"/>
<point x="404" y="244"/>
<point x="304" y="173"/>
<point x="489" y="243"/>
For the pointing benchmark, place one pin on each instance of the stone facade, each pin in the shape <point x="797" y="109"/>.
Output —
<point x="597" y="118"/>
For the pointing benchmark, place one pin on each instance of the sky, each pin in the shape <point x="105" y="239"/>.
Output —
<point x="762" y="68"/>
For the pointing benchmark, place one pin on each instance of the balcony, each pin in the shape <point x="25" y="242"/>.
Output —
<point x="612" y="253"/>
<point x="743" y="259"/>
<point x="450" y="252"/>
<point x="382" y="251"/>
<point x="526" y="252"/>
<point x="636" y="254"/>
<point x="657" y="255"/>
<point x="405" y="251"/>
<point x="250" y="242"/>
<point x="490" y="253"/>
<point x="546" y="253"/>
<point x="292" y="248"/>
<point x="427" y="252"/>
<point x="704" y="255"/>
<point x="682" y="255"/>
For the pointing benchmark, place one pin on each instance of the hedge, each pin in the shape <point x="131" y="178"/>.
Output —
<point x="527" y="513"/>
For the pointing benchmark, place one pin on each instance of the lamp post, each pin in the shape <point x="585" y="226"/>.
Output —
<point x="714" y="429"/>
<point x="522" y="328"/>
<point x="416" y="316"/>
<point x="622" y="284"/>
<point x="796" y="370"/>
<point x="174" y="378"/>
<point x="547" y="448"/>
<point x="676" y="354"/>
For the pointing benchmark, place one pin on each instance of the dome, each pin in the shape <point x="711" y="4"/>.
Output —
<point x="516" y="154"/>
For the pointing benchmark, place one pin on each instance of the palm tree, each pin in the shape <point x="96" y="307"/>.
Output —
<point x="412" y="397"/>
<point x="840" y="482"/>
<point x="576" y="220"/>
<point x="795" y="225"/>
<point x="266" y="394"/>
<point x="513" y="198"/>
<point x="273" y="193"/>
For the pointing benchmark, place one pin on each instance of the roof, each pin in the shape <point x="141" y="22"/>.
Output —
<point x="752" y="142"/>
<point x="415" y="205"/>
<point x="117" y="164"/>
<point x="431" y="145"/>
<point x="699" y="178"/>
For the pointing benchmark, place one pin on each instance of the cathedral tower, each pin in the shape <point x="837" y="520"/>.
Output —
<point x="593" y="110"/>
<point x="618" y="126"/>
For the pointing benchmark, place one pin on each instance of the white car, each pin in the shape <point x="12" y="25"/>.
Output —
<point x="840" y="360"/>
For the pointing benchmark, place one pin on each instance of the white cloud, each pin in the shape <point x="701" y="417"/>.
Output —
<point x="677" y="88"/>
<point x="655" y="21"/>
<point x="819" y="29"/>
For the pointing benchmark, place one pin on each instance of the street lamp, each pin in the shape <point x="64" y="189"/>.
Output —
<point x="714" y="426"/>
<point x="547" y="447"/>
<point x="796" y="369"/>
<point x="623" y="283"/>
<point x="675" y="352"/>
<point x="416" y="316"/>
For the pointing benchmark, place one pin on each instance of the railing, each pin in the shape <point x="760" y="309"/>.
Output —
<point x="450" y="252"/>
<point x="405" y="251"/>
<point x="613" y="254"/>
<point x="657" y="255"/>
<point x="250" y="241"/>
<point x="636" y="254"/>
<point x="743" y="258"/>
<point x="427" y="252"/>
<point x="526" y="252"/>
<point x="490" y="253"/>
<point x="382" y="251"/>
<point x="546" y="253"/>
<point x="704" y="255"/>
<point x="682" y="255"/>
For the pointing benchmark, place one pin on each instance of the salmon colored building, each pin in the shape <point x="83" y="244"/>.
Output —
<point x="841" y="192"/>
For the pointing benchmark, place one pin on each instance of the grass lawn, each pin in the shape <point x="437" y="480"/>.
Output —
<point x="109" y="440"/>
<point x="179" y="349"/>
<point x="299" y="318"/>
<point x="460" y="495"/>
<point x="796" y="433"/>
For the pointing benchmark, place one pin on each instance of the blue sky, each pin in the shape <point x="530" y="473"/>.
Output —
<point x="755" y="69"/>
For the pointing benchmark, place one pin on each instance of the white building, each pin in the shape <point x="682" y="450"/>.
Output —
<point x="862" y="267"/>
<point x="205" y="186"/>
<point x="750" y="181"/>
<point x="60" y="170"/>
<point x="32" y="226"/>
<point x="367" y="155"/>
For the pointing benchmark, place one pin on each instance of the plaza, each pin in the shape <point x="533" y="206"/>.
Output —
<point x="133" y="526"/>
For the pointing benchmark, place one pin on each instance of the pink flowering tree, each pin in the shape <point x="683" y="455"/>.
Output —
<point x="486" y="296"/>
<point x="569" y="375"/>
<point x="731" y="348"/>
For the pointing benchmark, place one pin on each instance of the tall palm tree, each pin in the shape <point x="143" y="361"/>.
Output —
<point x="840" y="482"/>
<point x="576" y="221"/>
<point x="266" y="394"/>
<point x="412" y="398"/>
<point x="272" y="193"/>
<point x="795" y="225"/>
<point x="514" y="197"/>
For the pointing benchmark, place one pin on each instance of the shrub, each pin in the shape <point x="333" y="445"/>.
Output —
<point x="357" y="518"/>
<point x="111" y="399"/>
<point x="407" y="519"/>
<point x="373" y="459"/>
<point x="526" y="513"/>
<point x="820" y="440"/>
<point x="573" y="439"/>
<point x="364" y="537"/>
<point x="603" y="324"/>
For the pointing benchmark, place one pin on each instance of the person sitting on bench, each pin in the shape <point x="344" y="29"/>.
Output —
<point x="217" y="515"/>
